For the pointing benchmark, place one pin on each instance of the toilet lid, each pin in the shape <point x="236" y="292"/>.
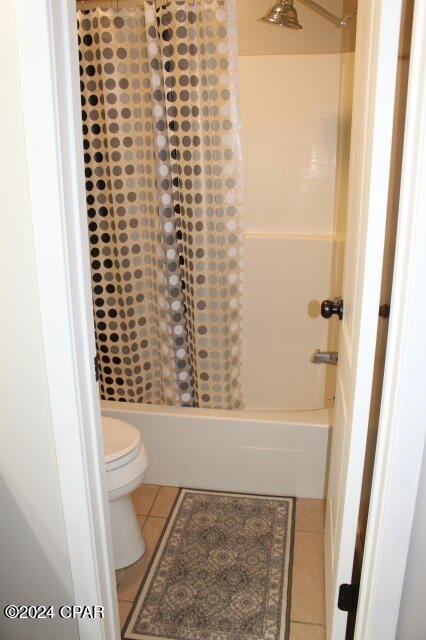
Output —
<point x="120" y="438"/>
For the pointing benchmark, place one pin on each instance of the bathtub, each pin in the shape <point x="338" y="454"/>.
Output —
<point x="273" y="453"/>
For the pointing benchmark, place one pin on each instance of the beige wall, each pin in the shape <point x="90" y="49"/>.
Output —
<point x="349" y="32"/>
<point x="33" y="547"/>
<point x="318" y="35"/>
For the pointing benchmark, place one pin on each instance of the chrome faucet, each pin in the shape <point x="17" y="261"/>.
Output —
<point x="328" y="357"/>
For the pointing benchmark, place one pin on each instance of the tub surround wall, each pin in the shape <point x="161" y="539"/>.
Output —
<point x="289" y="110"/>
<point x="281" y="327"/>
<point x="281" y="453"/>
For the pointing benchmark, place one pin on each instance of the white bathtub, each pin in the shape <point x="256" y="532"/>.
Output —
<point x="275" y="453"/>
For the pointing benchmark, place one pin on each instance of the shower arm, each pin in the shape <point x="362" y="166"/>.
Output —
<point x="340" y="21"/>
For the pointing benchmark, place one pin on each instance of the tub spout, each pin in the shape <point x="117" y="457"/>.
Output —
<point x="329" y="357"/>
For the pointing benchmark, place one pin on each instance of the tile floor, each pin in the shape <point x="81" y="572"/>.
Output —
<point x="153" y="504"/>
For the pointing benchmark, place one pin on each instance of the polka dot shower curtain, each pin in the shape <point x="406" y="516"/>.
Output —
<point x="163" y="176"/>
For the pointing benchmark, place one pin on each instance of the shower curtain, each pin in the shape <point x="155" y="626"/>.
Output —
<point x="164" y="196"/>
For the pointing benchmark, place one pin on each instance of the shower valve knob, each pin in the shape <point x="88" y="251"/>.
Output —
<point x="332" y="307"/>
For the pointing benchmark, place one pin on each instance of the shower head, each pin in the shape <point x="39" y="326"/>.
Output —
<point x="283" y="14"/>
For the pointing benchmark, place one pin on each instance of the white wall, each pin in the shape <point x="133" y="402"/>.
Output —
<point x="412" y="613"/>
<point x="33" y="548"/>
<point x="289" y="110"/>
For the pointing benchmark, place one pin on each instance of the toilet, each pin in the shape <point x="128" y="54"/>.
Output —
<point x="126" y="461"/>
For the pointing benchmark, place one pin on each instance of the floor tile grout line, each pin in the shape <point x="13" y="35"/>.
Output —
<point x="154" y="499"/>
<point x="310" y="624"/>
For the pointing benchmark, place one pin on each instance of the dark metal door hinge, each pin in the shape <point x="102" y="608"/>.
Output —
<point x="96" y="361"/>
<point x="384" y="310"/>
<point x="348" y="597"/>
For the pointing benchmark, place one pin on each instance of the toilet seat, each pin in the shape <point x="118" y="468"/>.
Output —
<point x="122" y="443"/>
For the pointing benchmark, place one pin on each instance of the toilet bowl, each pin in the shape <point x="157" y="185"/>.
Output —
<point x="126" y="461"/>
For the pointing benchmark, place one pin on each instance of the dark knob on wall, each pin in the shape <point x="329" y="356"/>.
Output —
<point x="332" y="308"/>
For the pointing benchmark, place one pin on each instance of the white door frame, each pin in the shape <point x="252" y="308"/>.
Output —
<point x="402" y="424"/>
<point x="375" y="75"/>
<point x="47" y="41"/>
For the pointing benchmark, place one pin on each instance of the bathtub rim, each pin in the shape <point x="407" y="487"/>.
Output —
<point x="310" y="417"/>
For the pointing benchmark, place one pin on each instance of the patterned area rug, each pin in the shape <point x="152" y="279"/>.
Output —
<point x="221" y="571"/>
